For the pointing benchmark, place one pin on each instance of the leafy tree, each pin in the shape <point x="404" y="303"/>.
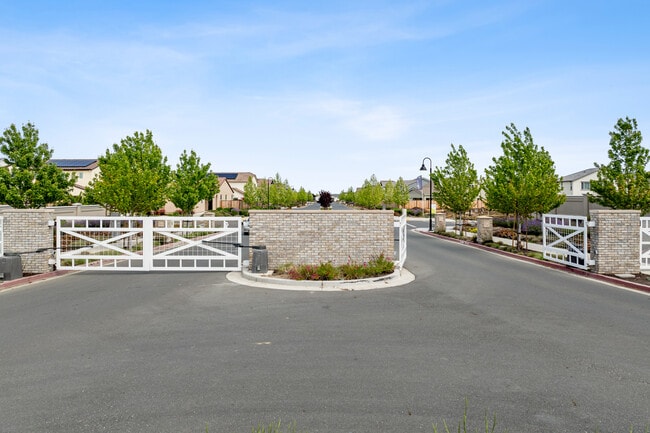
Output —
<point x="523" y="180"/>
<point x="456" y="186"/>
<point x="624" y="183"/>
<point x="252" y="194"/>
<point x="303" y="197"/>
<point x="134" y="177"/>
<point x="389" y="194"/>
<point x="347" y="196"/>
<point x="401" y="193"/>
<point x="192" y="182"/>
<point x="371" y="194"/>
<point x="29" y="180"/>
<point x="325" y="199"/>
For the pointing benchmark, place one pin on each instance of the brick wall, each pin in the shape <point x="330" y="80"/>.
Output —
<point x="615" y="245"/>
<point x="28" y="230"/>
<point x="313" y="237"/>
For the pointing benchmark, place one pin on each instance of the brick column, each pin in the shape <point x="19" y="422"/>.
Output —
<point x="440" y="225"/>
<point x="484" y="229"/>
<point x="615" y="241"/>
<point x="27" y="230"/>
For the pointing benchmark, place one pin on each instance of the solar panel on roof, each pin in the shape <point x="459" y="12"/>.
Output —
<point x="228" y="176"/>
<point x="72" y="162"/>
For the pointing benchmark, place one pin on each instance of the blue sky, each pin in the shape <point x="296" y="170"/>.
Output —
<point x="326" y="93"/>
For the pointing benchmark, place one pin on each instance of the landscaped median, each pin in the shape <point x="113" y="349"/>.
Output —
<point x="269" y="281"/>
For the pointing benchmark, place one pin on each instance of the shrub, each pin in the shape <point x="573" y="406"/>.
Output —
<point x="327" y="271"/>
<point x="325" y="199"/>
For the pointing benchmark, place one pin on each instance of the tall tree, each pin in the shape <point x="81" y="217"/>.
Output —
<point x="192" y="182"/>
<point x="252" y="194"/>
<point x="371" y="194"/>
<point x="624" y="183"/>
<point x="401" y="193"/>
<point x="29" y="180"/>
<point x="456" y="186"/>
<point x="523" y="180"/>
<point x="389" y="194"/>
<point x="134" y="178"/>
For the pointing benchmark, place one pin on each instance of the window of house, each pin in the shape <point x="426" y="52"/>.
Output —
<point x="80" y="175"/>
<point x="585" y="186"/>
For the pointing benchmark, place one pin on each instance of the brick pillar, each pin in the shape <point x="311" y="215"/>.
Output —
<point x="440" y="225"/>
<point x="615" y="241"/>
<point x="25" y="232"/>
<point x="483" y="229"/>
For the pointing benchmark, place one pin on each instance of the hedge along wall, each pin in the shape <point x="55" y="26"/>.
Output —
<point x="313" y="237"/>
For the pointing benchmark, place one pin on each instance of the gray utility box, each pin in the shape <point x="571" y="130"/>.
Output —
<point x="260" y="260"/>
<point x="11" y="267"/>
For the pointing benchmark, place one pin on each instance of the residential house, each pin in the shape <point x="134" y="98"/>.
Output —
<point x="84" y="171"/>
<point x="579" y="183"/>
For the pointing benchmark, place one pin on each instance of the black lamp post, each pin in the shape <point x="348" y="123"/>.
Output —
<point x="268" y="192"/>
<point x="424" y="168"/>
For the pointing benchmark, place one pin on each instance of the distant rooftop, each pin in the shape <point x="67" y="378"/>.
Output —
<point x="578" y="175"/>
<point x="73" y="163"/>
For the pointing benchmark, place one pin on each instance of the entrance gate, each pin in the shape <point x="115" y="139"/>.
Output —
<point x="149" y="243"/>
<point x="565" y="240"/>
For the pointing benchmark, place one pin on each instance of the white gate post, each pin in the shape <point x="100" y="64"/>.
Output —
<point x="147" y="243"/>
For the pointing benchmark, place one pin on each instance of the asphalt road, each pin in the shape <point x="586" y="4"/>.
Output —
<point x="173" y="352"/>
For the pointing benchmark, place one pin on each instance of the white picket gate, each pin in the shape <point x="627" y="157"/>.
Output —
<point x="565" y="240"/>
<point x="645" y="243"/>
<point x="149" y="243"/>
<point x="2" y="244"/>
<point x="400" y="224"/>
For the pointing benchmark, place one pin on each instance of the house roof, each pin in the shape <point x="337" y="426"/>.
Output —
<point x="74" y="163"/>
<point x="241" y="177"/>
<point x="579" y="175"/>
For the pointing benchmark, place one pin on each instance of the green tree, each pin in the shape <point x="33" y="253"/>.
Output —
<point x="134" y="178"/>
<point x="303" y="197"/>
<point x="401" y="193"/>
<point x="252" y="194"/>
<point x="347" y="196"/>
<point x="624" y="183"/>
<point x="456" y="186"/>
<point x="192" y="182"/>
<point x="371" y="194"/>
<point x="389" y="194"/>
<point x="29" y="180"/>
<point x="523" y="180"/>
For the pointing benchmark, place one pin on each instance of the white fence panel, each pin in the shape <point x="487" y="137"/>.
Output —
<point x="148" y="243"/>
<point x="565" y="240"/>
<point x="400" y="224"/>
<point x="645" y="243"/>
<point x="2" y="231"/>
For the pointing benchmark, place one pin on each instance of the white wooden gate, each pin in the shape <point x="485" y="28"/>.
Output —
<point x="400" y="225"/>
<point x="2" y="244"/>
<point x="565" y="240"/>
<point x="149" y="243"/>
<point x="645" y="243"/>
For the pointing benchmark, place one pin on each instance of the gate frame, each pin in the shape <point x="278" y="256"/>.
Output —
<point x="400" y="224"/>
<point x="578" y="258"/>
<point x="148" y="256"/>
<point x="644" y="258"/>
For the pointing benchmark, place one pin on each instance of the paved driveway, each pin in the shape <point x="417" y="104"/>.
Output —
<point x="174" y="352"/>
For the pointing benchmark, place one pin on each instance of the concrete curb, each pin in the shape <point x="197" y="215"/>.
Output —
<point x="267" y="281"/>
<point x="599" y="277"/>
<point x="10" y="284"/>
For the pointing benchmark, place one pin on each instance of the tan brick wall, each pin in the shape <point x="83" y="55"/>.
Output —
<point x="484" y="229"/>
<point x="313" y="237"/>
<point x="28" y="230"/>
<point x="615" y="244"/>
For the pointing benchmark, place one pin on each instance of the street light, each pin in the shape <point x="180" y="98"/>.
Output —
<point x="268" y="192"/>
<point x="424" y="168"/>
